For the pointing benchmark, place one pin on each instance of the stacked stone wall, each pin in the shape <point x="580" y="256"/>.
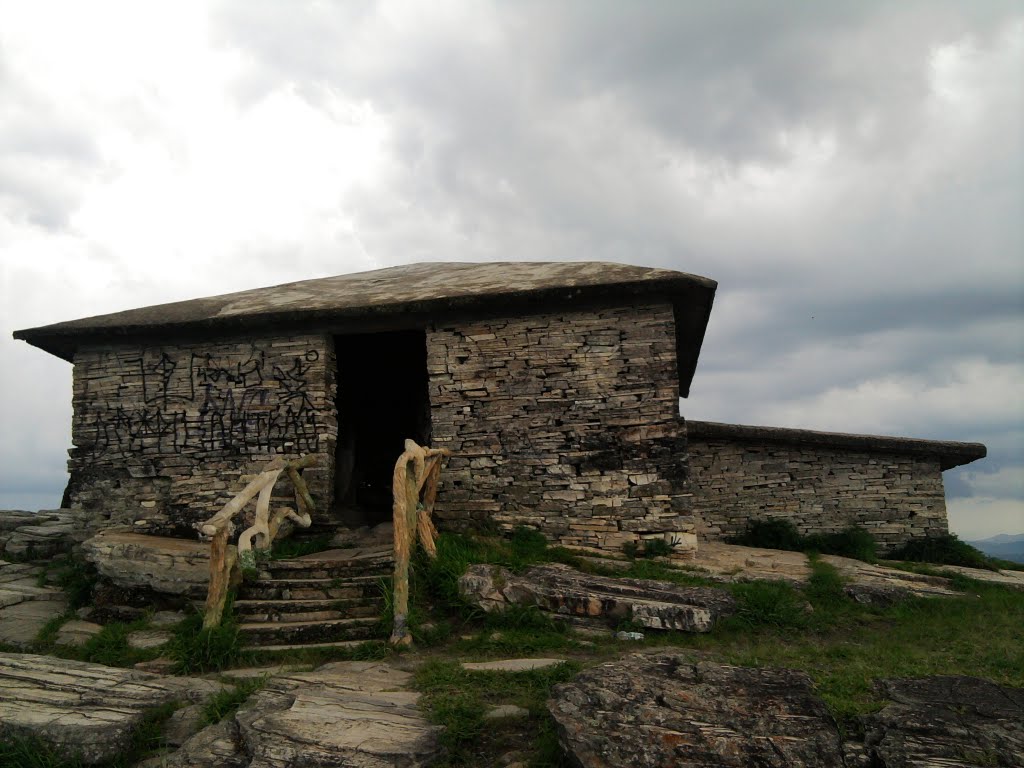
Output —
<point x="165" y="435"/>
<point x="565" y="422"/>
<point x="896" y="497"/>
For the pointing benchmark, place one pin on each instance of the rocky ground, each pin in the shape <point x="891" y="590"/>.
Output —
<point x="666" y="708"/>
<point x="657" y="707"/>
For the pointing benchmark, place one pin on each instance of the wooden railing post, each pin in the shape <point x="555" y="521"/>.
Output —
<point x="416" y="471"/>
<point x="224" y="558"/>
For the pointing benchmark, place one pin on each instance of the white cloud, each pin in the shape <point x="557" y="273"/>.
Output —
<point x="852" y="176"/>
<point x="981" y="517"/>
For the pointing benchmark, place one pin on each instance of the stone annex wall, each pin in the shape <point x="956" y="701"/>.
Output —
<point x="165" y="435"/>
<point x="896" y="497"/>
<point x="567" y="422"/>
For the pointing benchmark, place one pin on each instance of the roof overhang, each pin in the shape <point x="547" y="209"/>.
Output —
<point x="403" y="297"/>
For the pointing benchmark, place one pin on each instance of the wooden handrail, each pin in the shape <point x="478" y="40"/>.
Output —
<point x="224" y="558"/>
<point x="414" y="495"/>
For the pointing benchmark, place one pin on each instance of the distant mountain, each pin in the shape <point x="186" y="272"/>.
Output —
<point x="1007" y="546"/>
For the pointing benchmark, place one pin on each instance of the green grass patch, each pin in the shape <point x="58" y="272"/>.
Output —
<point x="459" y="699"/>
<point x="436" y="581"/>
<point x="768" y="604"/>
<point x="196" y="650"/>
<point x="371" y="650"/>
<point x="284" y="549"/>
<point x="649" y="569"/>
<point x="227" y="702"/>
<point x="845" y="646"/>
<point x="109" y="646"/>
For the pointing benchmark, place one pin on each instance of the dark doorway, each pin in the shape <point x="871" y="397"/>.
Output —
<point x="382" y="400"/>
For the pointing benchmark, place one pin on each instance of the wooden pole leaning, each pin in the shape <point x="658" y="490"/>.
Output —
<point x="224" y="557"/>
<point x="417" y="470"/>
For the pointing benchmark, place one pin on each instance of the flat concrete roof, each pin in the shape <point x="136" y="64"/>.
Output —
<point x="950" y="454"/>
<point x="407" y="296"/>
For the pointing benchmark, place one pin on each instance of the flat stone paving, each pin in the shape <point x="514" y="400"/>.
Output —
<point x="24" y="605"/>
<point x="511" y="665"/>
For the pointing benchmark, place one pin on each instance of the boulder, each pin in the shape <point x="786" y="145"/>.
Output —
<point x="84" y="709"/>
<point x="660" y="709"/>
<point x="947" y="720"/>
<point x="567" y="592"/>
<point x="138" y="561"/>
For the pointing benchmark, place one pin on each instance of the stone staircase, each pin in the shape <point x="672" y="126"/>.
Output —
<point x="331" y="598"/>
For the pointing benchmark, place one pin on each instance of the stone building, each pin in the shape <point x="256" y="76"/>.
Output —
<point x="555" y="385"/>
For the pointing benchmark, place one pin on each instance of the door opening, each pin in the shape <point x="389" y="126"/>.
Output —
<point x="382" y="400"/>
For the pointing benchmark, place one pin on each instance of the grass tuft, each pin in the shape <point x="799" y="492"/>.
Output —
<point x="458" y="699"/>
<point x="227" y="702"/>
<point x="197" y="651"/>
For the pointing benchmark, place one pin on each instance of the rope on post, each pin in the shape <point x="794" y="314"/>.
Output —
<point x="417" y="473"/>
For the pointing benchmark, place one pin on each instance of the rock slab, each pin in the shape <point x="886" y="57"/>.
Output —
<point x="159" y="563"/>
<point x="25" y="607"/>
<point x="947" y="721"/>
<point x="81" y="708"/>
<point x="344" y="714"/>
<point x="661" y="709"/>
<point x="650" y="710"/>
<point x="567" y="592"/>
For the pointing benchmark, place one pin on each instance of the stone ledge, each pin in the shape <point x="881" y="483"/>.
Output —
<point x="949" y="453"/>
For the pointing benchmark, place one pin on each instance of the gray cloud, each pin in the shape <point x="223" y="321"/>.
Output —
<point x="850" y="173"/>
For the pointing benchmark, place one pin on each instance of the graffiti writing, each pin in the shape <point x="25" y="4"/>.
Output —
<point x="204" y="403"/>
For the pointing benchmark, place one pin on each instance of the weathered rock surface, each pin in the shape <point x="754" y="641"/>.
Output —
<point x="39" y="535"/>
<point x="564" y="591"/>
<point x="24" y="605"/>
<point x="218" y="746"/>
<point x="865" y="582"/>
<point x="342" y="714"/>
<point x="133" y="560"/>
<point x="84" y="708"/>
<point x="77" y="632"/>
<point x="947" y="721"/>
<point x="351" y="714"/>
<point x="662" y="709"/>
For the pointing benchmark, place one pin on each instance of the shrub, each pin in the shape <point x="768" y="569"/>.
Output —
<point x="946" y="549"/>
<point x="770" y="534"/>
<point x="769" y="603"/>
<point x="852" y="542"/>
<point x="652" y="548"/>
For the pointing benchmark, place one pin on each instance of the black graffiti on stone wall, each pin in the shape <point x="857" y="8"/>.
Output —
<point x="206" y="403"/>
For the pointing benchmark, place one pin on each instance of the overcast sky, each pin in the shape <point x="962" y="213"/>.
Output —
<point x="850" y="172"/>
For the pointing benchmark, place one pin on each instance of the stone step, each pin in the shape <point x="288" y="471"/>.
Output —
<point x="350" y="588"/>
<point x="304" y="632"/>
<point x="304" y="646"/>
<point x="338" y="563"/>
<point x="306" y="610"/>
